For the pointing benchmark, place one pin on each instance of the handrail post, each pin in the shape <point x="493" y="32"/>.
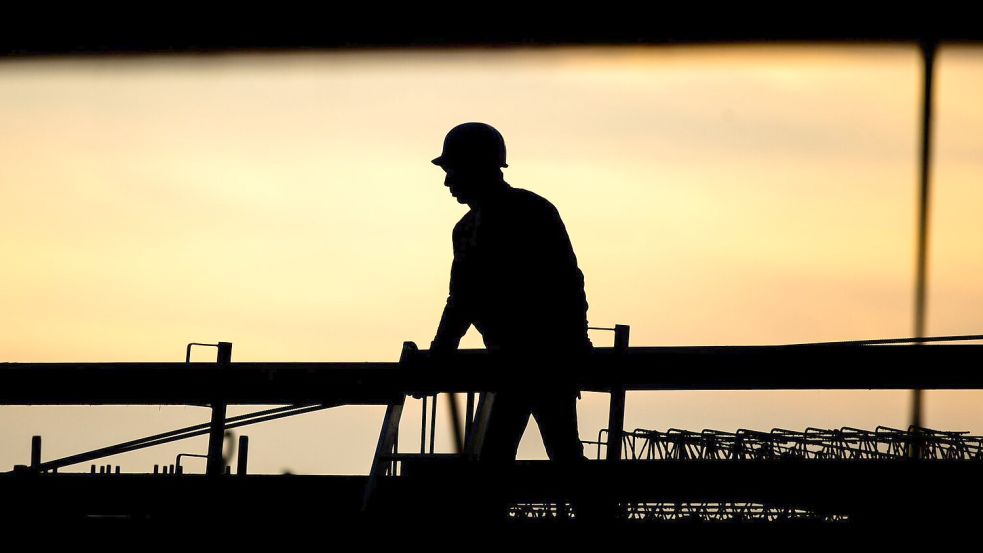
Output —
<point x="216" y="435"/>
<point x="616" y="410"/>
<point x="242" y="459"/>
<point x="36" y="453"/>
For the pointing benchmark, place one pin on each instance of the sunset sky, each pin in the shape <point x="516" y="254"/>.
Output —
<point x="287" y="203"/>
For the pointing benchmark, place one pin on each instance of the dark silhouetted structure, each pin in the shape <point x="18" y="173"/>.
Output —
<point x="743" y="487"/>
<point x="515" y="277"/>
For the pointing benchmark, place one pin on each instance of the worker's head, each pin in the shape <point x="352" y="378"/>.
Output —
<point x="473" y="156"/>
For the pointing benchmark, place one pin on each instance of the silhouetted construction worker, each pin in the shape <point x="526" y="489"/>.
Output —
<point x="515" y="277"/>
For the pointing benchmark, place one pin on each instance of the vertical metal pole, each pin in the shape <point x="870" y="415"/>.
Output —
<point x="468" y="418"/>
<point x="423" y="426"/>
<point x="433" y="423"/>
<point x="928" y="48"/>
<point x="216" y="436"/>
<point x="393" y="465"/>
<point x="616" y="411"/>
<point x="242" y="459"/>
<point x="35" y="452"/>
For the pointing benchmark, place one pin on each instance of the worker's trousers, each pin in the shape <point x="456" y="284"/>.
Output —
<point x="555" y="412"/>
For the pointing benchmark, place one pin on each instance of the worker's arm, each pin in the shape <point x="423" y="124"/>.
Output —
<point x="559" y="269"/>
<point x="456" y="318"/>
<point x="454" y="324"/>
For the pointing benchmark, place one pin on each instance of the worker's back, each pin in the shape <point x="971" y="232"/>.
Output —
<point x="516" y="272"/>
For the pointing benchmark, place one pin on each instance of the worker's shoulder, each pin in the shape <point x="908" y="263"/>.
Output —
<point x="534" y="210"/>
<point x="466" y="221"/>
<point x="532" y="201"/>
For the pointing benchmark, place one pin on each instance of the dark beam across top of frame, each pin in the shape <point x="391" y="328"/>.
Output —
<point x="193" y="33"/>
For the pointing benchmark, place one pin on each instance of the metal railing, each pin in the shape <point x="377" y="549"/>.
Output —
<point x="308" y="387"/>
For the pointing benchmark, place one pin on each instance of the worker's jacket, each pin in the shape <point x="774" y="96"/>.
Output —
<point x="515" y="277"/>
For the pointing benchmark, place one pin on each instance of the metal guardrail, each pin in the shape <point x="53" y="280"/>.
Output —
<point x="880" y="364"/>
<point x="791" y="367"/>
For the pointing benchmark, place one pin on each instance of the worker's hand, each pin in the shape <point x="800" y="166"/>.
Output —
<point x="440" y="352"/>
<point x="437" y="351"/>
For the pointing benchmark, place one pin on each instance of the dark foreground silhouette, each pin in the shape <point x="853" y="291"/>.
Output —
<point x="839" y="483"/>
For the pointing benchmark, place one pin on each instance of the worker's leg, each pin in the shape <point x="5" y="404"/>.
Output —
<point x="556" y="414"/>
<point x="506" y="423"/>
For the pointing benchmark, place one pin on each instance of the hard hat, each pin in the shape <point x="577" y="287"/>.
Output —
<point x="473" y="144"/>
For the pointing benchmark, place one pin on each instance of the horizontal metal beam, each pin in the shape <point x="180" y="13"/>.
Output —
<point x="796" y="367"/>
<point x="195" y="383"/>
<point x="426" y="33"/>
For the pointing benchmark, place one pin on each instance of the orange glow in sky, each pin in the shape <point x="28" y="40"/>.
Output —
<point x="287" y="203"/>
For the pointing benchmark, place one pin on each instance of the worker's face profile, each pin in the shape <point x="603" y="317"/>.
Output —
<point x="462" y="183"/>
